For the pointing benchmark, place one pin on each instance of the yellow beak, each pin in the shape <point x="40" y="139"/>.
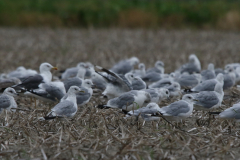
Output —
<point x="55" y="68"/>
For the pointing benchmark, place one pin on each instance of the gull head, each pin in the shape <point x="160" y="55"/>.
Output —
<point x="141" y="66"/>
<point x="74" y="90"/>
<point x="189" y="98"/>
<point x="81" y="65"/>
<point x="134" y="61"/>
<point x="193" y="58"/>
<point x="87" y="83"/>
<point x="10" y="91"/>
<point x="153" y="106"/>
<point x="164" y="93"/>
<point x="130" y="77"/>
<point x="46" y="67"/>
<point x="211" y="67"/>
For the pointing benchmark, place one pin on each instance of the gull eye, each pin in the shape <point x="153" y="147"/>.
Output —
<point x="166" y="92"/>
<point x="75" y="89"/>
<point x="190" y="97"/>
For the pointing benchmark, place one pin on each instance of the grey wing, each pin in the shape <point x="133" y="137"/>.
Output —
<point x="138" y="85"/>
<point x="190" y="68"/>
<point x="207" y="74"/>
<point x="64" y="108"/>
<point x="70" y="72"/>
<point x="188" y="81"/>
<point x="31" y="82"/>
<point x="232" y="112"/>
<point x="4" y="102"/>
<point x="206" y="99"/>
<point x="83" y="96"/>
<point x="228" y="82"/>
<point x="122" y="67"/>
<point x="205" y="86"/>
<point x="122" y="101"/>
<point x="152" y="77"/>
<point x="72" y="82"/>
<point x="9" y="82"/>
<point x="53" y="91"/>
<point x="153" y="70"/>
<point x="176" y="108"/>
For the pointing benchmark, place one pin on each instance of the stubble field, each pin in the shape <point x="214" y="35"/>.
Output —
<point x="105" y="134"/>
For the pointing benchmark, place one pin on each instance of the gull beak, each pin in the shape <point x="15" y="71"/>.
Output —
<point x="54" y="68"/>
<point x="93" y="86"/>
<point x="82" y="91"/>
<point x="195" y="100"/>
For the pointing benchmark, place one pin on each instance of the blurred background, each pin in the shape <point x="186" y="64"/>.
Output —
<point x="206" y="14"/>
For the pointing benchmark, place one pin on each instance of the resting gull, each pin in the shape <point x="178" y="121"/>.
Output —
<point x="129" y="101"/>
<point x="158" y="94"/>
<point x="75" y="81"/>
<point x="209" y="85"/>
<point x="207" y="100"/>
<point x="174" y="89"/>
<point x="159" y="68"/>
<point x="67" y="107"/>
<point x="148" y="113"/>
<point x="84" y="97"/>
<point x="229" y="78"/>
<point x="193" y="66"/>
<point x="140" y="71"/>
<point x="178" y="110"/>
<point x="33" y="82"/>
<point x="136" y="82"/>
<point x="209" y="73"/>
<point x="72" y="72"/>
<point x="22" y="73"/>
<point x="188" y="81"/>
<point x="6" y="99"/>
<point x="125" y="66"/>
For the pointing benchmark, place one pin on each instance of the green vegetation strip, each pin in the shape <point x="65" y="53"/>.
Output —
<point x="121" y="13"/>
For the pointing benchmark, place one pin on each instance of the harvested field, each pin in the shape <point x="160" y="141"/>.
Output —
<point x="105" y="134"/>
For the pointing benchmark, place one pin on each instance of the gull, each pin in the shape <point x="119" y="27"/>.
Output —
<point x="33" y="82"/>
<point x="99" y="81"/>
<point x="158" y="94"/>
<point x="230" y="113"/>
<point x="209" y="73"/>
<point x="207" y="100"/>
<point x="174" y="89"/>
<point x="48" y="92"/>
<point x="21" y="73"/>
<point x="129" y="101"/>
<point x="178" y="110"/>
<point x="125" y="66"/>
<point x="67" y="107"/>
<point x="229" y="78"/>
<point x="209" y="85"/>
<point x="136" y="82"/>
<point x="116" y="84"/>
<point x="6" y="99"/>
<point x="189" y="81"/>
<point x="152" y="77"/>
<point x="163" y="82"/>
<point x="8" y="82"/>
<point x="193" y="66"/>
<point x="141" y="71"/>
<point x="72" y="72"/>
<point x="75" y="81"/>
<point x="148" y="113"/>
<point x="159" y="68"/>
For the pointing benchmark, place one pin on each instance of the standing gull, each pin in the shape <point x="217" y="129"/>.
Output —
<point x="207" y="100"/>
<point x="67" y="107"/>
<point x="6" y="99"/>
<point x="179" y="109"/>
<point x="116" y="84"/>
<point x="125" y="66"/>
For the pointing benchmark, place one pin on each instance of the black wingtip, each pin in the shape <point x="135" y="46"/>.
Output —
<point x="49" y="118"/>
<point x="125" y="112"/>
<point x="103" y="107"/>
<point x="212" y="113"/>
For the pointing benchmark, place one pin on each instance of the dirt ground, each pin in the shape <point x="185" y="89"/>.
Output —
<point x="106" y="134"/>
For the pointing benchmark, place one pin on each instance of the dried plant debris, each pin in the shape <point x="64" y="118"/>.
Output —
<point x="105" y="133"/>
